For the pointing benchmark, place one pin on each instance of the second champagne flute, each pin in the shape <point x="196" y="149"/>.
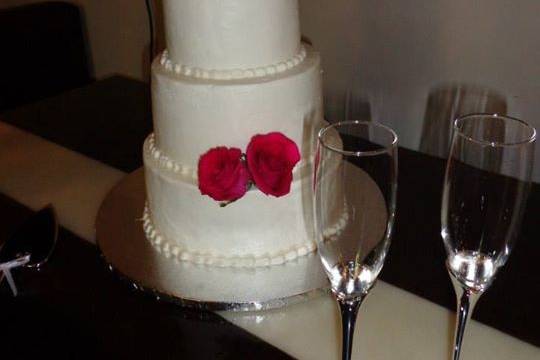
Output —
<point x="487" y="180"/>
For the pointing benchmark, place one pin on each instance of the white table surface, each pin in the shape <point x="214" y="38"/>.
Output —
<point x="392" y="323"/>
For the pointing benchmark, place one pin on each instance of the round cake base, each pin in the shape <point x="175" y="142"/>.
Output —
<point x="130" y="255"/>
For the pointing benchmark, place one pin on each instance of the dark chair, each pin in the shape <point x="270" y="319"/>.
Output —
<point x="43" y="52"/>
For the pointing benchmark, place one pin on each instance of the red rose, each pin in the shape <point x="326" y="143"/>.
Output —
<point x="271" y="159"/>
<point x="223" y="174"/>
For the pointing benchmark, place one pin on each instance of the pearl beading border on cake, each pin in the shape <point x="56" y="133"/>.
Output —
<point x="165" y="163"/>
<point x="234" y="74"/>
<point x="172" y="251"/>
<point x="151" y="151"/>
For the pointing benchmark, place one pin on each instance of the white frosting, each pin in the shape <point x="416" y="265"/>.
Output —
<point x="231" y="34"/>
<point x="256" y="230"/>
<point x="193" y="115"/>
<point x="245" y="228"/>
<point x="233" y="74"/>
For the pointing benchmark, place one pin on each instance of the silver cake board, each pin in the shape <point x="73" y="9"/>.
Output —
<point x="130" y="255"/>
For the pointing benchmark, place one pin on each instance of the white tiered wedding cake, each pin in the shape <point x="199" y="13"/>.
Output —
<point x="232" y="69"/>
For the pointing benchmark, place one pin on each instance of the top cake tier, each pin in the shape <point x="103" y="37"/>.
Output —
<point x="231" y="34"/>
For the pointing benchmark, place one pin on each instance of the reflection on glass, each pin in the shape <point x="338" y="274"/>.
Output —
<point x="448" y="102"/>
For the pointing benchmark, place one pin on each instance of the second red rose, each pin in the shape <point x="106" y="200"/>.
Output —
<point x="271" y="159"/>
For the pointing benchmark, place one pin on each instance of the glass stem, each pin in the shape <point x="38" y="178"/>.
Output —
<point x="466" y="300"/>
<point x="349" y="311"/>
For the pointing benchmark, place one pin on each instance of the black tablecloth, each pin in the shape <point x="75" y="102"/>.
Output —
<point x="76" y="297"/>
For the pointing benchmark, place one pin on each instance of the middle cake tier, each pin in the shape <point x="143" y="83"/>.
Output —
<point x="194" y="114"/>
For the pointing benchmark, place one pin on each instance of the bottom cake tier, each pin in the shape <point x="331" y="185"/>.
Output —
<point x="257" y="230"/>
<point x="127" y="251"/>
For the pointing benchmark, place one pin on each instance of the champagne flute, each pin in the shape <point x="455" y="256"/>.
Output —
<point x="487" y="180"/>
<point x="355" y="183"/>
